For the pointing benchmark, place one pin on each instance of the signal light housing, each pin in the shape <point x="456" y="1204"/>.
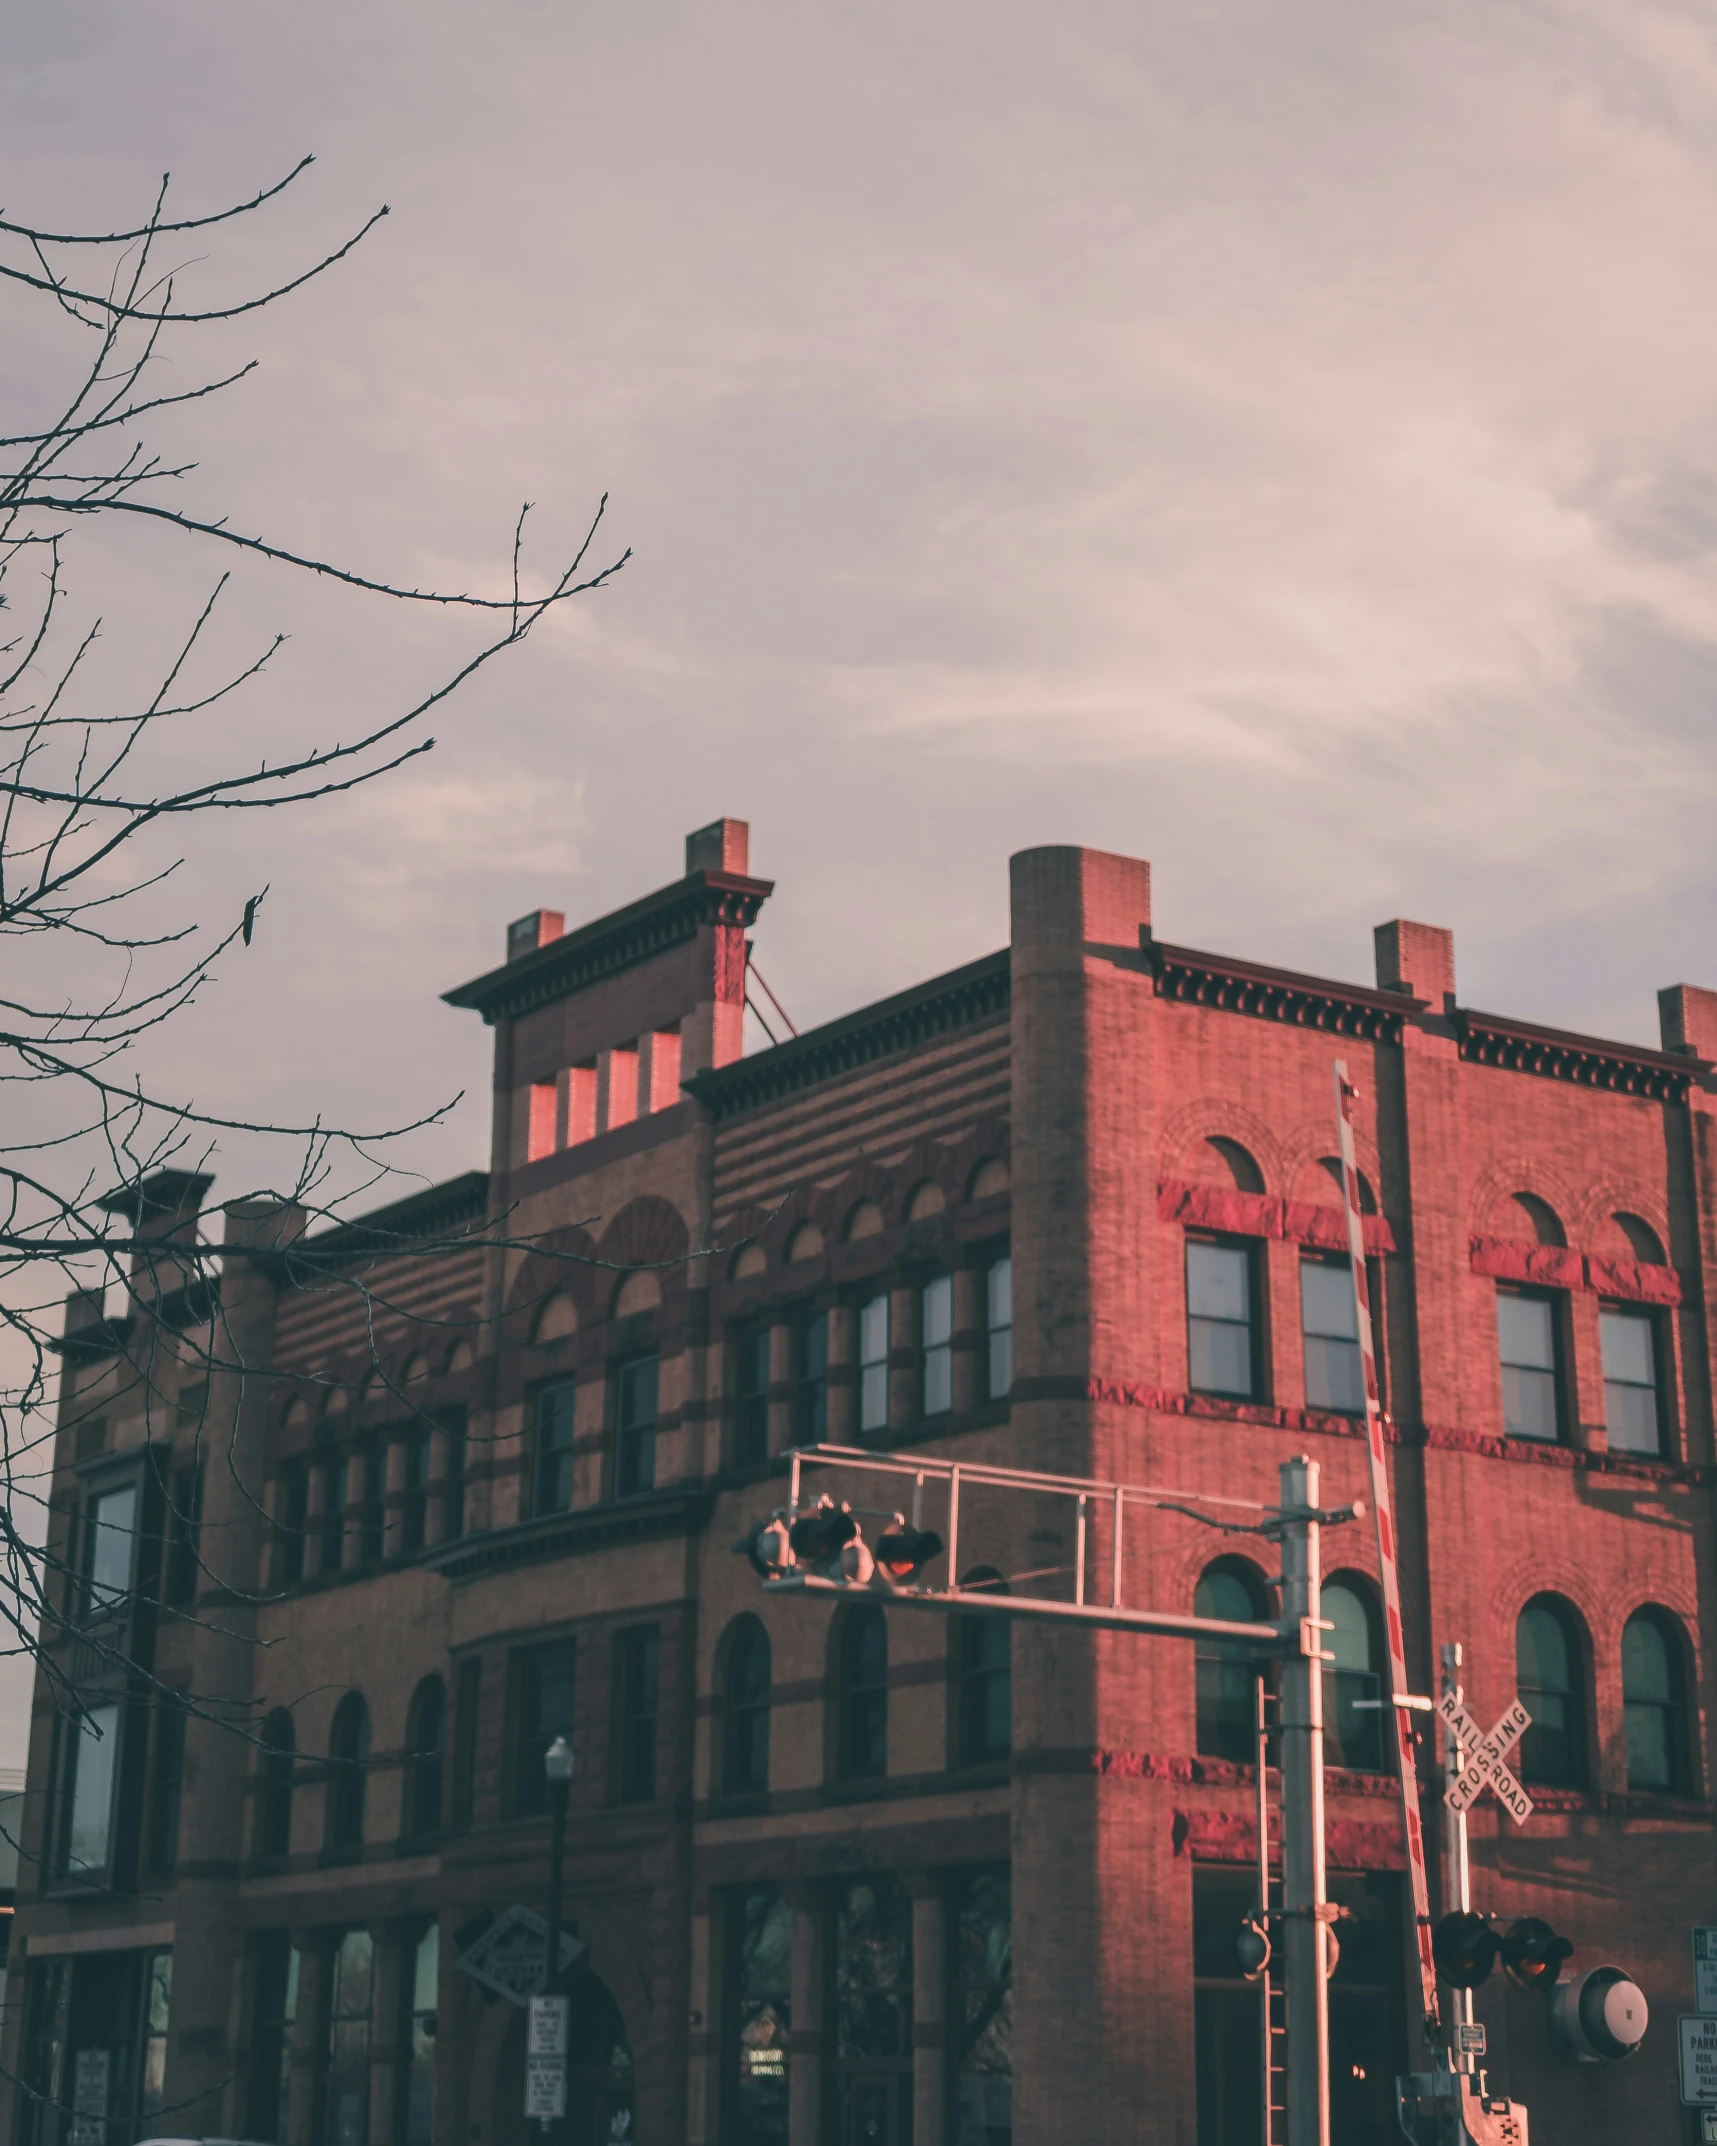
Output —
<point x="1252" y="1948"/>
<point x="1599" y="2017"/>
<point x="818" y="1538"/>
<point x="1532" y="1954"/>
<point x="902" y="1552"/>
<point x="1464" y="1947"/>
<point x="766" y="1546"/>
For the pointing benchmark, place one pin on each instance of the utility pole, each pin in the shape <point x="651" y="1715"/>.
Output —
<point x="1305" y="1909"/>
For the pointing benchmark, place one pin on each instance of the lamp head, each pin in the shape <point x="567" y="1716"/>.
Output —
<point x="557" y="1762"/>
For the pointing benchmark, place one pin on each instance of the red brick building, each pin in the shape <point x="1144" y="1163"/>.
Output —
<point x="862" y="1877"/>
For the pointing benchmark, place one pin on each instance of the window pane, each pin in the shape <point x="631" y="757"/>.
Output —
<point x="1625" y="1338"/>
<point x="873" y="1365"/>
<point x="983" y="2018"/>
<point x="938" y="1311"/>
<point x="1546" y="1665"/>
<point x="1525" y="1332"/>
<point x="1224" y="1674"/>
<point x="95" y="1752"/>
<point x="637" y="1426"/>
<point x="1335" y="1376"/>
<point x="1529" y="1403"/>
<point x="1220" y="1357"/>
<point x="999" y="1318"/>
<point x="1326" y="1300"/>
<point x="1651" y="1710"/>
<point x="873" y="1331"/>
<point x="758" y="2015"/>
<point x="1217" y="1282"/>
<point x="112" y="1524"/>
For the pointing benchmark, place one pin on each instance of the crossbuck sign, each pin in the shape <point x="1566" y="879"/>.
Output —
<point x="1483" y="1759"/>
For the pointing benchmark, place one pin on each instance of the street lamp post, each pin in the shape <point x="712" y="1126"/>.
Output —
<point x="557" y="1764"/>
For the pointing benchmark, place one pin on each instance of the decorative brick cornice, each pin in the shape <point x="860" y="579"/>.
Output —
<point x="979" y="991"/>
<point x="662" y="920"/>
<point x="455" y="1209"/>
<point x="1231" y="986"/>
<point x="557" y="1535"/>
<point x="1552" y="1267"/>
<point x="1257" y="1214"/>
<point x="1487" y="1039"/>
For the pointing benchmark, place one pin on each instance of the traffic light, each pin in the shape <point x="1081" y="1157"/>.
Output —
<point x="1252" y="1947"/>
<point x="902" y="1552"/>
<point x="765" y="1544"/>
<point x="1464" y="1947"/>
<point x="1598" y="2017"/>
<point x="1532" y="1953"/>
<point x="818" y="1538"/>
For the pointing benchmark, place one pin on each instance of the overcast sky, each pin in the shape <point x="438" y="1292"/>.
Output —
<point x="1279" y="442"/>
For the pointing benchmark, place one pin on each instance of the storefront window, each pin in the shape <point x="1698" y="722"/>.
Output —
<point x="346" y="2079"/>
<point x="758" y="1991"/>
<point x="97" y="2049"/>
<point x="274" y="1967"/>
<point x="871" y="1967"/>
<point x="415" y="2101"/>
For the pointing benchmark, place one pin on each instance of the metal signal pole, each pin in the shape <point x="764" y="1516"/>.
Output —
<point x="1305" y="1906"/>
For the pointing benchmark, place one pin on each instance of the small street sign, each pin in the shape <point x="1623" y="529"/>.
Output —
<point x="547" y="2027"/>
<point x="1705" y="1969"/>
<point x="545" y="2089"/>
<point x="511" y="1957"/>
<point x="1470" y="2040"/>
<point x="1697" y="2032"/>
<point x="1484" y="1758"/>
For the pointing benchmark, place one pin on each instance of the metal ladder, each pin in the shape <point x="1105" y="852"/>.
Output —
<point x="1272" y="1997"/>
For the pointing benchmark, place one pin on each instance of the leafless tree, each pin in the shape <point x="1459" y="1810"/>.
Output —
<point x="91" y="787"/>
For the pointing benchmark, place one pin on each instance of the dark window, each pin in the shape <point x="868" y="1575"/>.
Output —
<point x="999" y="1328"/>
<point x="1220" y="1331"/>
<point x="348" y="1773"/>
<point x="1224" y="1668"/>
<point x="551" y="1482"/>
<point x="453" y="1495"/>
<point x="184" y="1550"/>
<point x="414" y="2101"/>
<point x="426" y="1738"/>
<point x="745" y="1706"/>
<point x="166" y="1790"/>
<point x="635" y="1424"/>
<point x="293" y="1507"/>
<point x="345" y="2081"/>
<point x="871" y="1973"/>
<point x="811" y="1368"/>
<point x="279" y="1760"/>
<point x="753" y="1443"/>
<point x="1526" y="1343"/>
<point x="983" y="2007"/>
<point x="1633" y="1408"/>
<point x="333" y="1513"/>
<point x="375" y="1511"/>
<point x="1329" y="1324"/>
<point x="109" y="1545"/>
<point x="756" y="2019"/>
<point x="274" y="1972"/>
<point x="112" y="2005"/>
<point x="986" y="1684"/>
<point x="545" y="1712"/>
<point x="640" y="1675"/>
<point x="1548" y="1672"/>
<point x="1353" y="1734"/>
<point x="873" y="1364"/>
<point x="468" y="1690"/>
<point x="1226" y="2028"/>
<point x="414" y="1514"/>
<point x="90" y="1772"/>
<point x="936" y="1346"/>
<point x="1654" y="1705"/>
<point x="863" y="1731"/>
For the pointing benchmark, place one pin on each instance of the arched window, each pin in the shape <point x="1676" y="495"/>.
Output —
<point x="745" y="1710"/>
<point x="1654" y="1704"/>
<point x="348" y="1764"/>
<point x="426" y="1741"/>
<point x="1353" y="1735"/>
<point x="279" y="1757"/>
<point x="862" y="1753"/>
<point x="1224" y="1667"/>
<point x="1548" y="1672"/>
<point x="985" y="1671"/>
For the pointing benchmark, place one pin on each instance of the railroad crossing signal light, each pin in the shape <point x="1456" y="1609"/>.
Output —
<point x="902" y="1552"/>
<point x="765" y="1544"/>
<point x="1464" y="1947"/>
<point x="1532" y="1954"/>
<point x="1599" y="2017"/>
<point x="1252" y="1947"/>
<point x="817" y="1538"/>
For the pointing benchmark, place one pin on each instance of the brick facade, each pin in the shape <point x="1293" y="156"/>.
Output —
<point x="665" y="1217"/>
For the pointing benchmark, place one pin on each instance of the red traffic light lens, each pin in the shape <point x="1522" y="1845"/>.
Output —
<point x="903" y="1552"/>
<point x="1532" y="1953"/>
<point x="1464" y="1947"/>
